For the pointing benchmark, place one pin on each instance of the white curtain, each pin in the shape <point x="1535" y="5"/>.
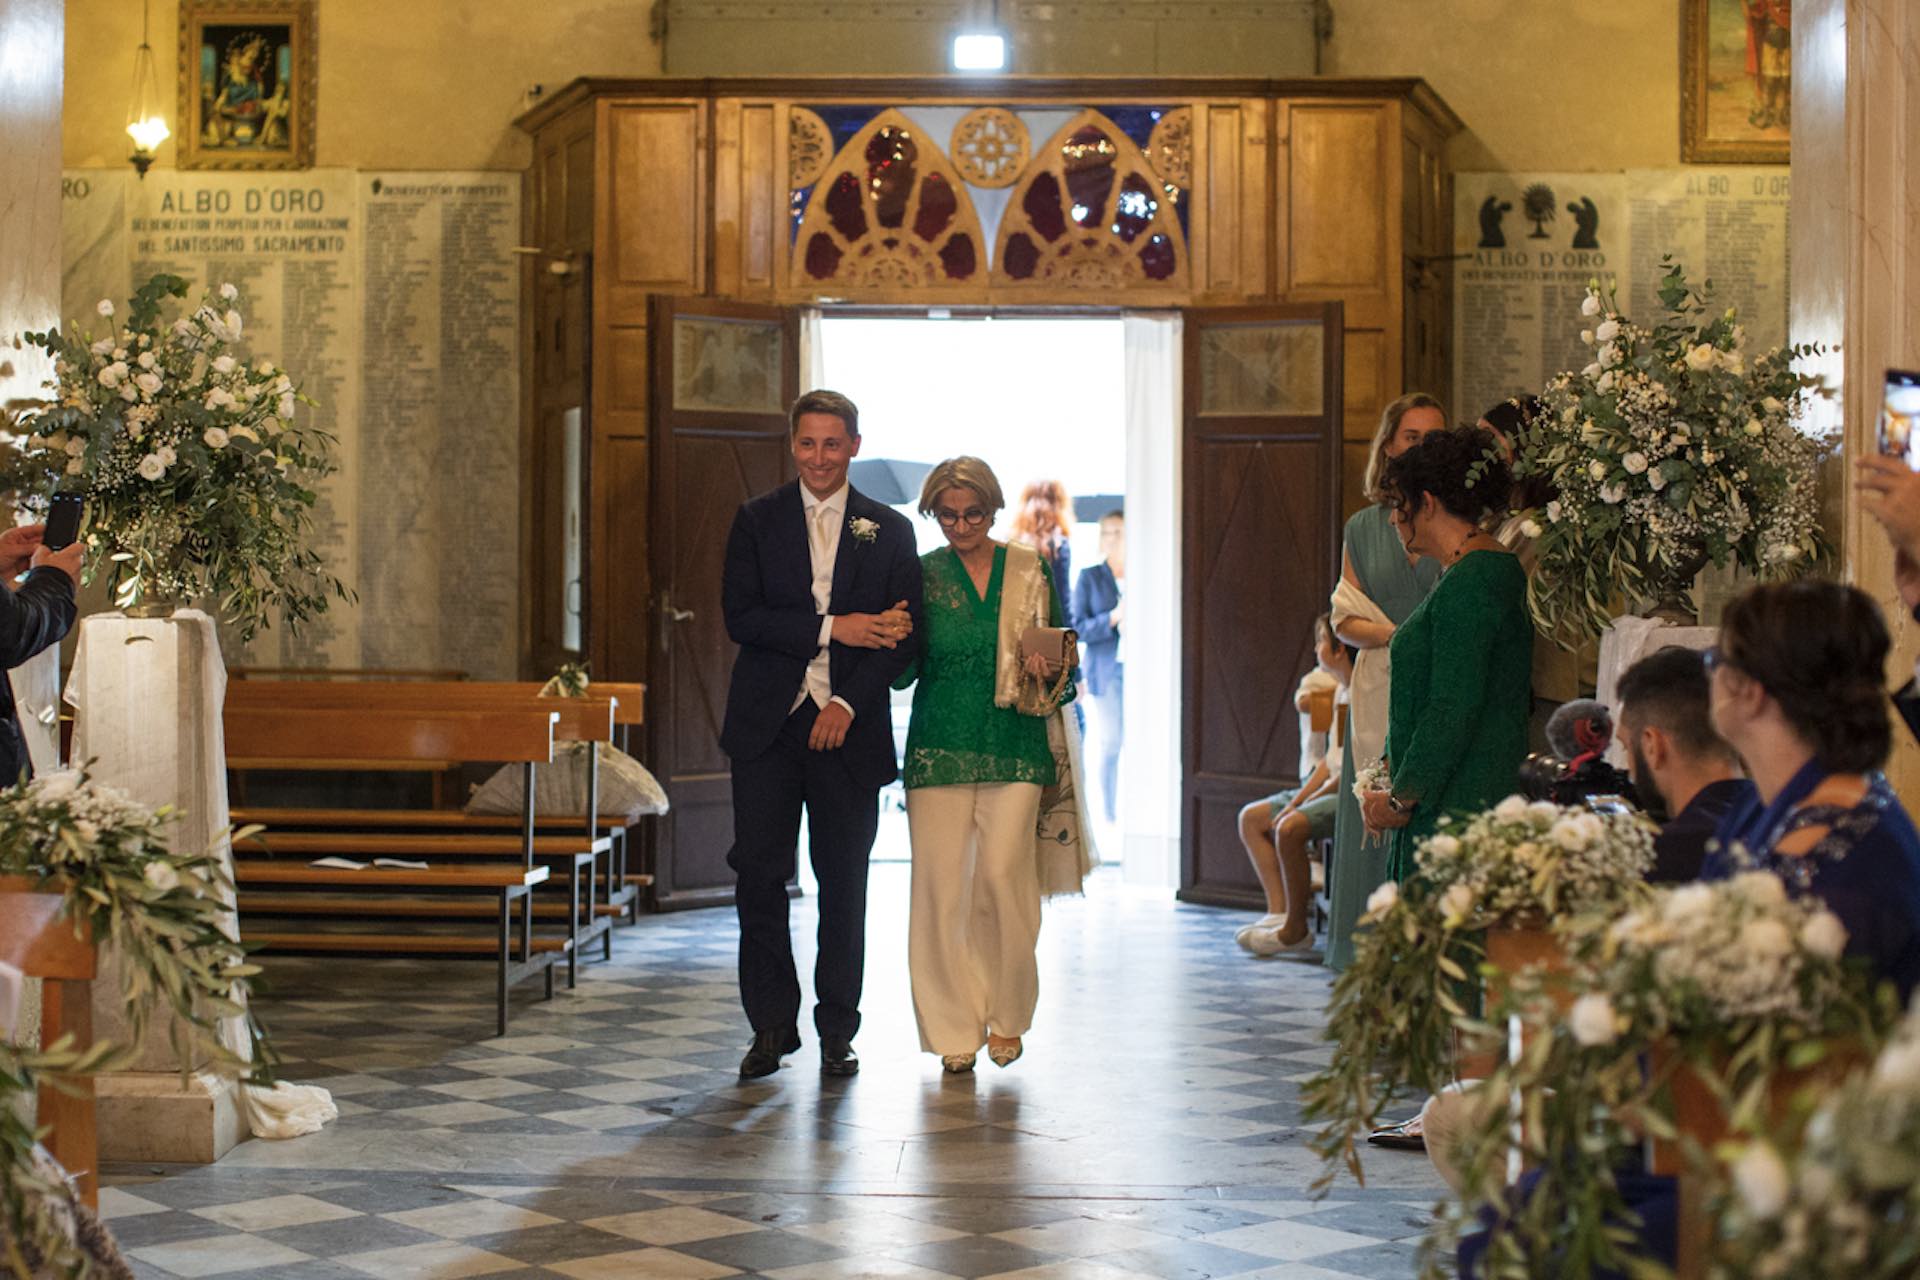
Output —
<point x="813" y="352"/>
<point x="1150" y="641"/>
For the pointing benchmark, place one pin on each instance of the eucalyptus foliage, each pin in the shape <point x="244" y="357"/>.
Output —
<point x="197" y="467"/>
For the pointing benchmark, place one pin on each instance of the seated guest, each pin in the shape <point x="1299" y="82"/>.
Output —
<point x="1685" y="774"/>
<point x="1574" y="767"/>
<point x="1796" y="691"/>
<point x="1277" y="830"/>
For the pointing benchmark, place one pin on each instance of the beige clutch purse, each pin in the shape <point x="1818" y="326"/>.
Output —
<point x="1060" y="646"/>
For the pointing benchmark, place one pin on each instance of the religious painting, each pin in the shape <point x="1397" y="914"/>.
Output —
<point x="249" y="73"/>
<point x="1736" y="92"/>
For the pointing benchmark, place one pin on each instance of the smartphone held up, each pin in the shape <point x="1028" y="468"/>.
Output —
<point x="1900" y="417"/>
<point x="63" y="521"/>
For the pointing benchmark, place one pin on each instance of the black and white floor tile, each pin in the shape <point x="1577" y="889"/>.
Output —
<point x="1151" y="1130"/>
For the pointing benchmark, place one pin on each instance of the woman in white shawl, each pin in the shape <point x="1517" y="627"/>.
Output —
<point x="995" y="817"/>
<point x="1377" y="591"/>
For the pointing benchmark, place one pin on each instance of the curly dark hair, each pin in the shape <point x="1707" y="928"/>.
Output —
<point x="1461" y="467"/>
<point x="1518" y="420"/>
<point x="1819" y="649"/>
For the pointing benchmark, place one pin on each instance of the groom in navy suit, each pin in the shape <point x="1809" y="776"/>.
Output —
<point x="822" y="593"/>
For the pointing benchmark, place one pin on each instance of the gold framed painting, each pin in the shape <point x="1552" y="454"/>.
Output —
<point x="249" y="75"/>
<point x="1736" y="89"/>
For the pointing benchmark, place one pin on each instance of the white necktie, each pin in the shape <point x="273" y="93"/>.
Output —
<point x="821" y="544"/>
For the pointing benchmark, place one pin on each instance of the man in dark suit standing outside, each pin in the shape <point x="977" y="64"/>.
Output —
<point x="821" y="591"/>
<point x="1097" y="612"/>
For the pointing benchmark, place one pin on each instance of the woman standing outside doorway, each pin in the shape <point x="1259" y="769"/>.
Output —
<point x="976" y="769"/>
<point x="1379" y="588"/>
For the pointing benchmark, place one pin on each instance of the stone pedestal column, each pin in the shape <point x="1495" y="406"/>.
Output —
<point x="147" y="694"/>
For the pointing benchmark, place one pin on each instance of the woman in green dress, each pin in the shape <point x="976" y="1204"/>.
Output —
<point x="1462" y="664"/>
<point x="1379" y="589"/>
<point x="976" y="770"/>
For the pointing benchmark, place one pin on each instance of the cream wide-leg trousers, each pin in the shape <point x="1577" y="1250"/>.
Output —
<point x="975" y="917"/>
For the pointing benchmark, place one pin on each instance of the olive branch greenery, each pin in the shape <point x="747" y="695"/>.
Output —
<point x="160" y="917"/>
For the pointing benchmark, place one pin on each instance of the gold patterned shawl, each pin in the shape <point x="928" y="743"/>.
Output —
<point x="1063" y="838"/>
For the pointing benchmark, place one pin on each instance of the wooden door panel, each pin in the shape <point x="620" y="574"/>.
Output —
<point x="1262" y="466"/>
<point x="723" y="375"/>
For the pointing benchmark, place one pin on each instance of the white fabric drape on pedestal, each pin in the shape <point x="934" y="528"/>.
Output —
<point x="1150" y="764"/>
<point x="36" y="705"/>
<point x="148" y="694"/>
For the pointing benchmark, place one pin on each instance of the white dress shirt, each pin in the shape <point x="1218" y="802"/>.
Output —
<point x="824" y="518"/>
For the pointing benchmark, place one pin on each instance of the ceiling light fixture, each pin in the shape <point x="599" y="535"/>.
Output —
<point x="145" y="125"/>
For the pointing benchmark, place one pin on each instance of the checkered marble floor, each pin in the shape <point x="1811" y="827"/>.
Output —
<point x="1151" y="1130"/>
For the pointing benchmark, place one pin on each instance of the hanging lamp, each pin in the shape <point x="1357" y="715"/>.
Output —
<point x="145" y="124"/>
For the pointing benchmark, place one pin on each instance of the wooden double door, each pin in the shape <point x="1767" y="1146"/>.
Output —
<point x="1260" y="457"/>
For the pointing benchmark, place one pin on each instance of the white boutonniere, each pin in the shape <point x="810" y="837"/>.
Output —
<point x="863" y="529"/>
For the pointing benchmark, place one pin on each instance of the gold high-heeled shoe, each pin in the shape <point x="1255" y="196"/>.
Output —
<point x="1006" y="1053"/>
<point x="957" y="1064"/>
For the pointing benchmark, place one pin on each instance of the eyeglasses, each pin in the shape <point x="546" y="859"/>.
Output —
<point x="1712" y="659"/>
<point x="970" y="517"/>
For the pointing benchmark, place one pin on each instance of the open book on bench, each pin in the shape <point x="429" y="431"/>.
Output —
<point x="348" y="864"/>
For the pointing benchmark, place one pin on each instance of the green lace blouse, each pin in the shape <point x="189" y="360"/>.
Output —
<point x="957" y="735"/>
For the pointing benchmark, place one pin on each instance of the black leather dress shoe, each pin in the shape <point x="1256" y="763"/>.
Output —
<point x="763" y="1055"/>
<point x="837" y="1057"/>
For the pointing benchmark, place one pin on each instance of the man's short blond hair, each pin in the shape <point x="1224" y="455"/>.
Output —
<point x="964" y="472"/>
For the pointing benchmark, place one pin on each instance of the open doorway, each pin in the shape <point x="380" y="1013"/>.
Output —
<point x="1041" y="399"/>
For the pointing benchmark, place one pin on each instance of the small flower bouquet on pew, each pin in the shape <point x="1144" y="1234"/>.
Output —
<point x="1844" y="1198"/>
<point x="1699" y="1014"/>
<point x="1417" y="967"/>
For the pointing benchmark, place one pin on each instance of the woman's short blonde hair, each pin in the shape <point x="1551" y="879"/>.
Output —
<point x="1390" y="424"/>
<point x="964" y="472"/>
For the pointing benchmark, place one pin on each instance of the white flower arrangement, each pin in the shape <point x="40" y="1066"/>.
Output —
<point x="1535" y="861"/>
<point x="863" y="529"/>
<point x="1673" y="447"/>
<point x="196" y="466"/>
<point x="1371" y="777"/>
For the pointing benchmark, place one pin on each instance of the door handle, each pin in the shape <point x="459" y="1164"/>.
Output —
<point x="668" y="616"/>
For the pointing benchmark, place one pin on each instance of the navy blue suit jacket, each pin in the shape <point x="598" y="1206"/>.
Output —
<point x="766" y="592"/>
<point x="1095" y="596"/>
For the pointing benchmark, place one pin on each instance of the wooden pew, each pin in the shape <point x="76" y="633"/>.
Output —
<point x="377" y="734"/>
<point x="35" y="940"/>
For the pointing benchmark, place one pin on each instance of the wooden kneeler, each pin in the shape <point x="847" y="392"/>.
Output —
<point x="42" y="945"/>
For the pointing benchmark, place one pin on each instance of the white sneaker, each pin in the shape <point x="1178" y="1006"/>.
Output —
<point x="1266" y="942"/>
<point x="1264" y="922"/>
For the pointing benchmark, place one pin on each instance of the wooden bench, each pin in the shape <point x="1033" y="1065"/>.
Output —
<point x="582" y="720"/>
<point x="376" y="734"/>
<point x="35" y="940"/>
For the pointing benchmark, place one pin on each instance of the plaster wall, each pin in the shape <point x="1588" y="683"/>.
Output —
<point x="435" y="84"/>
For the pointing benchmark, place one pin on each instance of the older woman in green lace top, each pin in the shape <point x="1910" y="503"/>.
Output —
<point x="1463" y="661"/>
<point x="975" y="771"/>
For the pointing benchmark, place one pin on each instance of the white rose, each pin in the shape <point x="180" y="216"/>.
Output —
<point x="244" y="433"/>
<point x="1635" y="463"/>
<point x="101" y="347"/>
<point x="219" y="398"/>
<point x="1512" y="809"/>
<point x="1592" y="1020"/>
<point x="1543" y="813"/>
<point x="105" y="307"/>
<point x="1553" y="511"/>
<point x="228" y="292"/>
<point x="232" y="319"/>
<point x="1597" y="469"/>
<point x="1613" y="494"/>
<point x="1530" y="528"/>
<point x="1608" y="330"/>
<point x="1701" y="358"/>
<point x="264" y="368"/>
<point x="146" y="360"/>
<point x="1761" y="1177"/>
<point x="1609" y="356"/>
<point x="75" y="448"/>
<point x="148" y="382"/>
<point x="1586" y="336"/>
<point x="215" y="438"/>
<point x="1604" y="383"/>
<point x="1766" y="938"/>
<point x="1898" y="1066"/>
<point x="161" y="877"/>
<point x="1761" y="888"/>
<point x="129" y="393"/>
<point x="1591" y="306"/>
<point x="285" y="407"/>
<point x="1755" y="426"/>
<point x="1591" y="371"/>
<point x="1456" y="902"/>
<point x="111" y="375"/>
<point x="167" y="456"/>
<point x="1569" y="835"/>
<point x="151" y="468"/>
<point x="1656" y="480"/>
<point x="75" y="466"/>
<point x="1734" y="363"/>
<point x="223" y="364"/>
<point x="1382" y="900"/>
<point x="1687" y="903"/>
<point x="1445" y="846"/>
<point x="1824" y="935"/>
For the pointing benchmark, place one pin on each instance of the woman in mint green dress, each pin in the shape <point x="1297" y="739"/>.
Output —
<point x="1379" y="589"/>
<point x="975" y="772"/>
<point x="1463" y="663"/>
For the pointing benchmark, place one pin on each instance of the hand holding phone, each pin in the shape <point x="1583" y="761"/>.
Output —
<point x="1900" y="417"/>
<point x="63" y="520"/>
